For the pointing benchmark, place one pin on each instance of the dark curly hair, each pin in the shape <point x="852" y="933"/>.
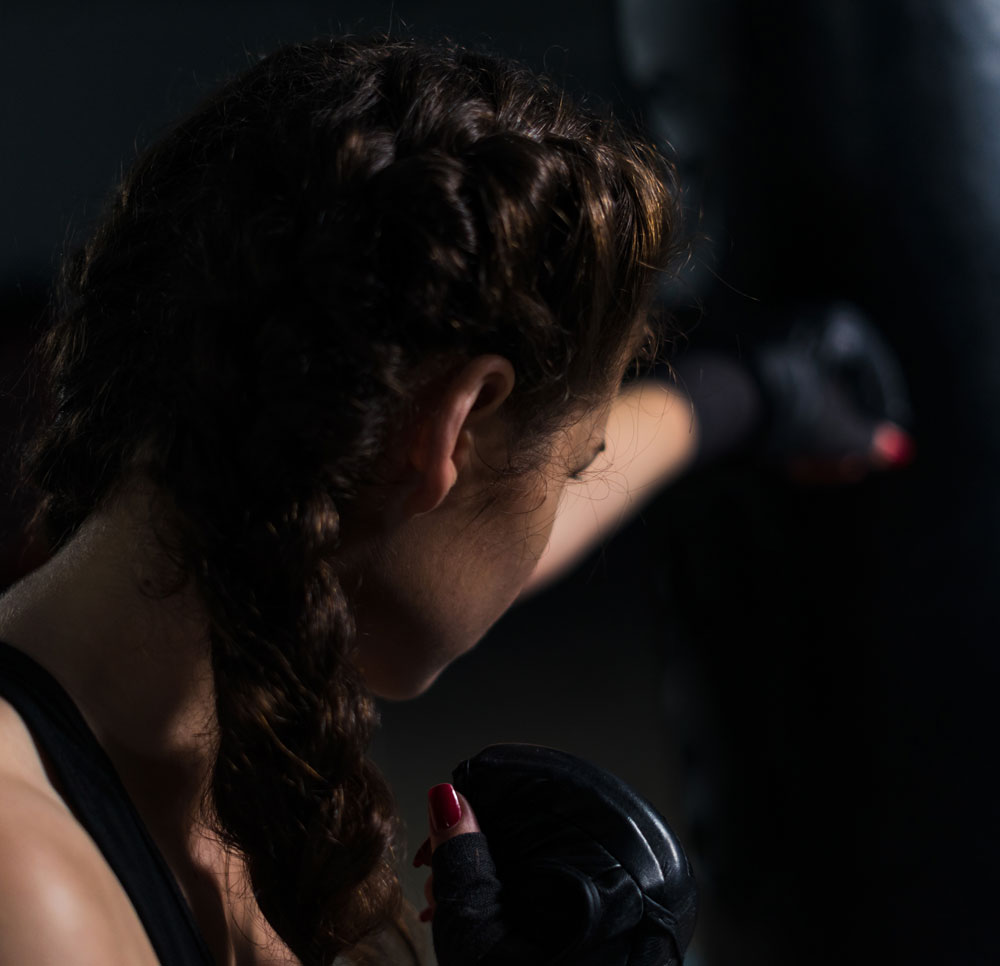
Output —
<point x="269" y="291"/>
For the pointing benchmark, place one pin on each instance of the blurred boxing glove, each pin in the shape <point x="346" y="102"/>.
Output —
<point x="827" y="403"/>
<point x="571" y="866"/>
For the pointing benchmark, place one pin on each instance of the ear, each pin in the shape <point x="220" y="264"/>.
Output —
<point x="445" y="438"/>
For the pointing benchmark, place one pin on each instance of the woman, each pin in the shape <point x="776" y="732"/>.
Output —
<point x="317" y="384"/>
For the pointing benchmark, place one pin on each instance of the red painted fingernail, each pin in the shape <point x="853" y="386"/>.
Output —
<point x="445" y="807"/>
<point x="894" y="445"/>
<point x="423" y="856"/>
<point x="427" y="915"/>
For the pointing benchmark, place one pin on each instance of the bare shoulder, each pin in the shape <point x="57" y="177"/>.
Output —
<point x="59" y="900"/>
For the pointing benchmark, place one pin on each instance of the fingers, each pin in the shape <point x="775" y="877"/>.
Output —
<point x="427" y="914"/>
<point x="449" y="814"/>
<point x="891" y="446"/>
<point x="828" y="472"/>
<point x="423" y="856"/>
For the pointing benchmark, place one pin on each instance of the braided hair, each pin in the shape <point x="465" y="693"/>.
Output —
<point x="263" y="297"/>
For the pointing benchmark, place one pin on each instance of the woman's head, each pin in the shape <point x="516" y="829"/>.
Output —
<point x="457" y="537"/>
<point x="284" y="298"/>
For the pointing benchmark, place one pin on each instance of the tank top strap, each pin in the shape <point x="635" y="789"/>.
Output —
<point x="95" y="793"/>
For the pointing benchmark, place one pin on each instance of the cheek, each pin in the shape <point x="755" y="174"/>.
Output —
<point x="542" y="522"/>
<point x="415" y="618"/>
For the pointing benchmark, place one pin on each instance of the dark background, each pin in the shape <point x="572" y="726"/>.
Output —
<point x="802" y="679"/>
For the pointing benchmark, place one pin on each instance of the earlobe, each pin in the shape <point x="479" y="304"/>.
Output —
<point x="443" y="441"/>
<point x="433" y="471"/>
<point x="431" y="488"/>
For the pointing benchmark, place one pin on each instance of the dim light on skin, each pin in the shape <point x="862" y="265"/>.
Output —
<point x="440" y="580"/>
<point x="651" y="437"/>
<point x="138" y="666"/>
<point x="436" y="580"/>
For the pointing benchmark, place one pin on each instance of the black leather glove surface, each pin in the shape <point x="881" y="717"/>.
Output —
<point x="831" y="390"/>
<point x="572" y="867"/>
<point x="829" y="384"/>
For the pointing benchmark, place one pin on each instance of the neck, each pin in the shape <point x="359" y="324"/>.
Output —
<point x="137" y="666"/>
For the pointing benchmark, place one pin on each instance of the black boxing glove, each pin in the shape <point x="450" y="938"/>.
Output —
<point x="572" y="867"/>
<point x="831" y="393"/>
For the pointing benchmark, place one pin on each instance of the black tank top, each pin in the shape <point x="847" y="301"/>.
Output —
<point x="96" y="795"/>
